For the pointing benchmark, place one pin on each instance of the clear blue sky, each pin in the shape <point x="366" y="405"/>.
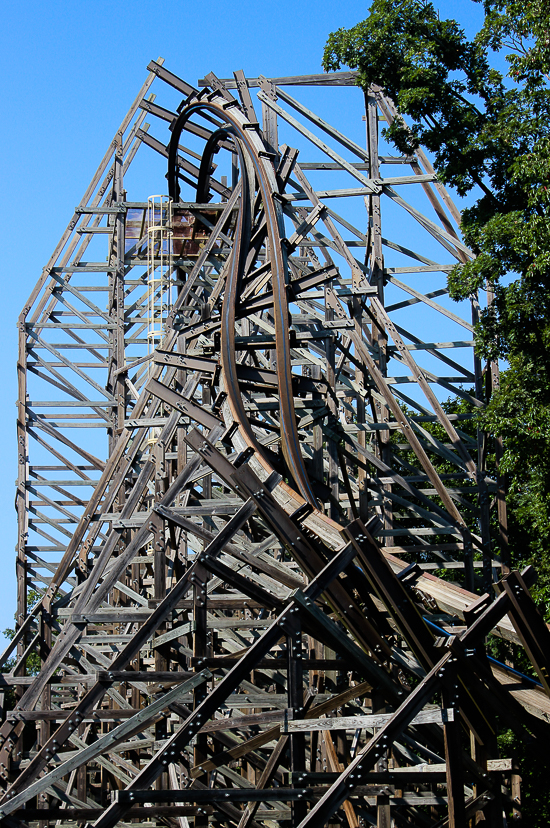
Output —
<point x="71" y="70"/>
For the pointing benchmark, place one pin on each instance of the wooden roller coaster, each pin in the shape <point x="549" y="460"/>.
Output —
<point x="262" y="560"/>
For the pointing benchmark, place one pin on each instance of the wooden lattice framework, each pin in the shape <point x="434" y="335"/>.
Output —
<point x="237" y="480"/>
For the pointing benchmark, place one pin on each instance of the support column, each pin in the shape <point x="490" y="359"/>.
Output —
<point x="116" y="379"/>
<point x="200" y="650"/>
<point x="483" y="496"/>
<point x="376" y="262"/>
<point x="295" y="693"/>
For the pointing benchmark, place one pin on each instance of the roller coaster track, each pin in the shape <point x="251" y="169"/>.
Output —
<point x="251" y="149"/>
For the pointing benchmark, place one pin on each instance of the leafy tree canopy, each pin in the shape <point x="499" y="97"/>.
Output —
<point x="489" y="133"/>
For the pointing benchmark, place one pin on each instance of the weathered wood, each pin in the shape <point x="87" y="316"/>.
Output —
<point x="105" y="742"/>
<point x="353" y="722"/>
<point x="204" y="598"/>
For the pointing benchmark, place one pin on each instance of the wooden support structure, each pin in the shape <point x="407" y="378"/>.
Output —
<point x="238" y="480"/>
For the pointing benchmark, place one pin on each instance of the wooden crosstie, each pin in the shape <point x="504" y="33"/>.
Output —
<point x="257" y="566"/>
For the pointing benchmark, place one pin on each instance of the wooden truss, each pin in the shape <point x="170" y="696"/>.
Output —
<point x="237" y="481"/>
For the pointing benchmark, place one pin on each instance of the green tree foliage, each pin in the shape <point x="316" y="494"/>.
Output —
<point x="33" y="659"/>
<point x="488" y="130"/>
<point x="489" y="133"/>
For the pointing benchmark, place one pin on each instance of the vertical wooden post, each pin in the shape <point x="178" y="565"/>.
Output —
<point x="516" y="796"/>
<point x="120" y="241"/>
<point x="483" y="495"/>
<point x="200" y="650"/>
<point x="499" y="451"/>
<point x="453" y="750"/>
<point x="21" y="497"/>
<point x="383" y="809"/>
<point x="269" y="117"/>
<point x="295" y="695"/>
<point x="332" y="446"/>
<point x="379" y="336"/>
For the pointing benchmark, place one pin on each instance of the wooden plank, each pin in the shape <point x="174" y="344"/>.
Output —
<point x="436" y="716"/>
<point x="185" y="406"/>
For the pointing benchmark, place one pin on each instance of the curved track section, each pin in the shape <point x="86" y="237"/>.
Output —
<point x="254" y="167"/>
